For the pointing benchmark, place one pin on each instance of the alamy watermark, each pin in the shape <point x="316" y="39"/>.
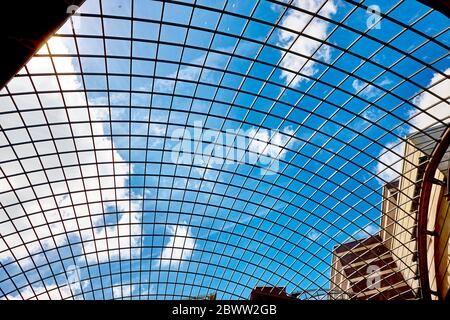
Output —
<point x="74" y="284"/>
<point x="373" y="277"/>
<point x="73" y="12"/>
<point x="373" y="20"/>
<point x="205" y="148"/>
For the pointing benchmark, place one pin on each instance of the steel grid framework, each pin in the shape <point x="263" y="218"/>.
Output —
<point x="94" y="205"/>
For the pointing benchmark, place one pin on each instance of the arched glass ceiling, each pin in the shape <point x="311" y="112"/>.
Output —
<point x="167" y="150"/>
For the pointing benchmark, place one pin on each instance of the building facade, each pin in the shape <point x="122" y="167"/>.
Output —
<point x="385" y="266"/>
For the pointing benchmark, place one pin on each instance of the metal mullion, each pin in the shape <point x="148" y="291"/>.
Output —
<point x="243" y="188"/>
<point x="230" y="256"/>
<point x="384" y="92"/>
<point x="320" y="99"/>
<point x="94" y="148"/>
<point x="299" y="54"/>
<point x="213" y="100"/>
<point x="351" y="207"/>
<point x="262" y="121"/>
<point x="291" y="109"/>
<point x="328" y="241"/>
<point x="320" y="161"/>
<point x="102" y="37"/>
<point x="164" y="148"/>
<point x="241" y="162"/>
<point x="371" y="221"/>
<point x="339" y="24"/>
<point x="29" y="181"/>
<point x="12" y="253"/>
<point x="129" y="167"/>
<point x="254" y="100"/>
<point x="40" y="161"/>
<point x="383" y="15"/>
<point x="210" y="101"/>
<point x="329" y="224"/>
<point x="8" y="276"/>
<point x="307" y="76"/>
<point x="342" y="127"/>
<point x="24" y="243"/>
<point x="338" y="88"/>
<point x="218" y="194"/>
<point x="150" y="107"/>
<point x="234" y="98"/>
<point x="399" y="207"/>
<point x="258" y="95"/>
<point x="387" y="17"/>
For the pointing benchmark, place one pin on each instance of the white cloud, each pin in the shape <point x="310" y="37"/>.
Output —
<point x="123" y="291"/>
<point x="51" y="292"/>
<point x="369" y="91"/>
<point x="313" y="235"/>
<point x="61" y="213"/>
<point x="316" y="28"/>
<point x="366" y="231"/>
<point x="358" y="84"/>
<point x="194" y="70"/>
<point x="179" y="248"/>
<point x="389" y="165"/>
<point x="425" y="102"/>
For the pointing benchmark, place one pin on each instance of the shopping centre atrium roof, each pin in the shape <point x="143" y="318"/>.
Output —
<point x="175" y="149"/>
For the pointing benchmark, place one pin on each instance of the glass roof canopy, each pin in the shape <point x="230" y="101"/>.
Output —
<point x="168" y="150"/>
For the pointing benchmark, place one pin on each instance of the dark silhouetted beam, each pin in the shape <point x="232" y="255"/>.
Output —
<point x="439" y="5"/>
<point x="24" y="27"/>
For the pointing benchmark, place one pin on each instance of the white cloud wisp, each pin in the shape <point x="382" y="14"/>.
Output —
<point x="306" y="46"/>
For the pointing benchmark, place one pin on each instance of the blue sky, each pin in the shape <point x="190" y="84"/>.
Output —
<point x="326" y="127"/>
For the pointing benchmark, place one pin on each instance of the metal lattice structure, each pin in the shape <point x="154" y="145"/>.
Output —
<point x="178" y="149"/>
